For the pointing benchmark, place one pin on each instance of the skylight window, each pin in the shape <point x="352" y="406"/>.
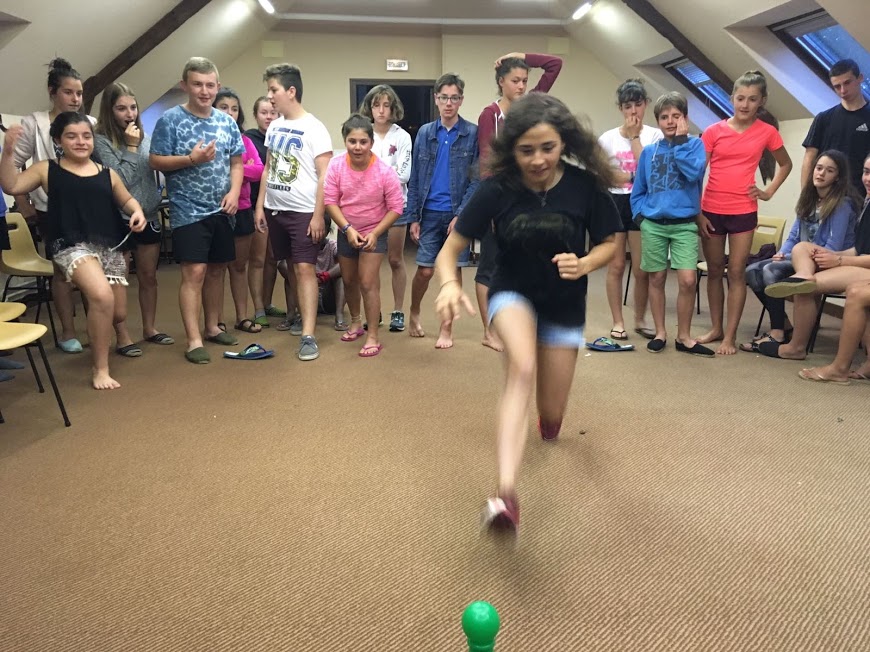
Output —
<point x="820" y="42"/>
<point x="705" y="89"/>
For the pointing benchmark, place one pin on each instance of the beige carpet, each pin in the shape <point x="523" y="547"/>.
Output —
<point x="691" y="504"/>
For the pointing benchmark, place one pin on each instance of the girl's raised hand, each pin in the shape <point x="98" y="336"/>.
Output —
<point x="132" y="135"/>
<point x="13" y="133"/>
<point x="570" y="267"/>
<point x="450" y="301"/>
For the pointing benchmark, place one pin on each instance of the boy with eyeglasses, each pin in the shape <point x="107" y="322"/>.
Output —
<point x="444" y="176"/>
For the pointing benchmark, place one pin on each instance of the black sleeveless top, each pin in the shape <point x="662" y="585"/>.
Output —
<point x="81" y="209"/>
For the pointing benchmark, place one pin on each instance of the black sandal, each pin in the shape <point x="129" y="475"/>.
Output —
<point x="248" y="326"/>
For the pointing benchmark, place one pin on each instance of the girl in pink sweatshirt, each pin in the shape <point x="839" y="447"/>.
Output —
<point x="363" y="196"/>
<point x="228" y="102"/>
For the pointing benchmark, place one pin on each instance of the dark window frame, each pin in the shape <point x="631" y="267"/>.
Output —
<point x="672" y="67"/>
<point x="822" y="19"/>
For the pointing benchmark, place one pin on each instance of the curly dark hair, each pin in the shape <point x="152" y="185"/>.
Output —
<point x="581" y="146"/>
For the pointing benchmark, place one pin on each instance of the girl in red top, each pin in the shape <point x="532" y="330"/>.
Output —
<point x="730" y="202"/>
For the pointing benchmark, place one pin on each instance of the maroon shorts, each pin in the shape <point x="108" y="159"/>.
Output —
<point x="727" y="224"/>
<point x="288" y="236"/>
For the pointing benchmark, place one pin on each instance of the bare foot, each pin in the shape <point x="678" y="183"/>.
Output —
<point x="102" y="380"/>
<point x="491" y="340"/>
<point x="712" y="336"/>
<point x="445" y="337"/>
<point x="787" y="353"/>
<point x="728" y="347"/>
<point x="415" y="328"/>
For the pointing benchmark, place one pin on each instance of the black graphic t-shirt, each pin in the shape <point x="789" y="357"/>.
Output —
<point x="530" y="228"/>
<point x="847" y="131"/>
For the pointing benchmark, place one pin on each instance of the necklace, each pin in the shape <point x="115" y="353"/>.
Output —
<point x="542" y="194"/>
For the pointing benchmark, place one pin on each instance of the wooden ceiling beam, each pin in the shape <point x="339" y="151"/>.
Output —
<point x="663" y="26"/>
<point x="154" y="36"/>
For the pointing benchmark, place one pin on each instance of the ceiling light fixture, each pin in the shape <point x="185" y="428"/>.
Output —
<point x="582" y="10"/>
<point x="267" y="6"/>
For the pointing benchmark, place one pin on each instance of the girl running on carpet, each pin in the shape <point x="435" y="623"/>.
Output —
<point x="540" y="205"/>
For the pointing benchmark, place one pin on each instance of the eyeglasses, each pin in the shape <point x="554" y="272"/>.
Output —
<point x="449" y="99"/>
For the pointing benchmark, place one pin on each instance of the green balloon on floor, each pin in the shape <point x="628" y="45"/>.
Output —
<point x="480" y="622"/>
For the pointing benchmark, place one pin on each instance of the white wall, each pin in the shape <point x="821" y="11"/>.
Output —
<point x="585" y="84"/>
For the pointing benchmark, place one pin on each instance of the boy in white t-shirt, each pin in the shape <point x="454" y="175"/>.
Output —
<point x="291" y="192"/>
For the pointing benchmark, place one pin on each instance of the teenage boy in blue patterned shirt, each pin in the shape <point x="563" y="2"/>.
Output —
<point x="199" y="149"/>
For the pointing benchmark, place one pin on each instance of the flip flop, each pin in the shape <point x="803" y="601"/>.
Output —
<point x="160" y="338"/>
<point x="648" y="333"/>
<point x="10" y="365"/>
<point x="129" y="351"/>
<point x="370" y="350"/>
<point x="222" y="338"/>
<point x="789" y="287"/>
<point x="607" y="344"/>
<point x="857" y="375"/>
<point x="247" y="326"/>
<point x="816" y="377"/>
<point x="251" y="352"/>
<point x="352" y="336"/>
<point x="620" y="335"/>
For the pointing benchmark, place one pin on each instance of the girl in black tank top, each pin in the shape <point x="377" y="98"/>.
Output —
<point x="83" y="226"/>
<point x="81" y="209"/>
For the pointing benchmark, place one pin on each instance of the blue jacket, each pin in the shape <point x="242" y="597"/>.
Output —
<point x="667" y="184"/>
<point x="837" y="233"/>
<point x="463" y="167"/>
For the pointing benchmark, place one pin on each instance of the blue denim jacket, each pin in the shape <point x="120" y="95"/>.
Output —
<point x="463" y="167"/>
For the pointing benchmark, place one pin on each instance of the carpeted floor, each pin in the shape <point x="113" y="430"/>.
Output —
<point x="691" y="504"/>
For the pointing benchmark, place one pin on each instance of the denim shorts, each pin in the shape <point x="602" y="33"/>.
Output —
<point x="433" y="235"/>
<point x="550" y="334"/>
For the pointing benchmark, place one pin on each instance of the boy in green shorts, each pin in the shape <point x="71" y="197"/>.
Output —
<point x="666" y="199"/>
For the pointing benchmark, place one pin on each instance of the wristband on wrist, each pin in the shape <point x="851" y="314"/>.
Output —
<point x="345" y="228"/>
<point x="452" y="280"/>
<point x="192" y="162"/>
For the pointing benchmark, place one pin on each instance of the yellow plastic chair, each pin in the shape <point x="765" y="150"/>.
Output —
<point x="14" y="335"/>
<point x="23" y="261"/>
<point x="10" y="311"/>
<point x="769" y="230"/>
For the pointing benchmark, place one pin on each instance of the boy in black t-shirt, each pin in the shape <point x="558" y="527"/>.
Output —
<point x="845" y="127"/>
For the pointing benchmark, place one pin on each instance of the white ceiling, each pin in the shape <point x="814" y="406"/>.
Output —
<point x="443" y="10"/>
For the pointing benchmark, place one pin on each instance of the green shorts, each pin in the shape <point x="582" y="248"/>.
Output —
<point x="656" y="240"/>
